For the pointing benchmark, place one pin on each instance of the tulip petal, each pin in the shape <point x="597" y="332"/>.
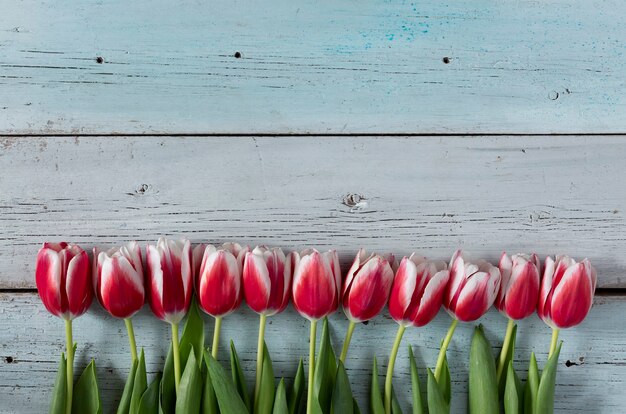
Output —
<point x="155" y="281"/>
<point x="220" y="284"/>
<point x="256" y="282"/>
<point x="430" y="302"/>
<point x="314" y="287"/>
<point x="78" y="284"/>
<point x="402" y="289"/>
<point x="457" y="277"/>
<point x="276" y="271"/>
<point x="473" y="300"/>
<point x="543" y="307"/>
<point x="122" y="288"/>
<point x="370" y="290"/>
<point x="572" y="298"/>
<point x="522" y="292"/>
<point x="48" y="280"/>
<point x="505" y="266"/>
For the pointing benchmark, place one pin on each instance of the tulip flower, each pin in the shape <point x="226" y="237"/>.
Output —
<point x="366" y="290"/>
<point x="64" y="286"/>
<point x="566" y="293"/>
<point x="315" y="294"/>
<point x="471" y="291"/>
<point x="118" y="280"/>
<point x="518" y="294"/>
<point x="169" y="283"/>
<point x="218" y="283"/>
<point x="267" y="289"/>
<point x="416" y="297"/>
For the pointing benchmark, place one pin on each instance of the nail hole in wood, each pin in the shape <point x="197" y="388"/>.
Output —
<point x="100" y="60"/>
<point x="237" y="55"/>
<point x="569" y="363"/>
<point x="9" y="360"/>
<point x="446" y="60"/>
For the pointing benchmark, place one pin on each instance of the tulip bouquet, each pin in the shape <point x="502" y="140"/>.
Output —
<point x="180" y="283"/>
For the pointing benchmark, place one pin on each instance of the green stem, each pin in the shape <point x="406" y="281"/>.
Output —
<point x="69" y="364"/>
<point x="505" y="348"/>
<point x="176" y="353"/>
<point x="444" y="347"/>
<point x="555" y="339"/>
<point x="131" y="338"/>
<point x="259" y="358"/>
<point x="309" y="397"/>
<point x="216" y="336"/>
<point x="346" y="342"/>
<point x="392" y="362"/>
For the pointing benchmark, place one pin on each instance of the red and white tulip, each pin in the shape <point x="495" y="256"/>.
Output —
<point x="567" y="290"/>
<point x="519" y="287"/>
<point x="417" y="291"/>
<point x="267" y="280"/>
<point x="169" y="279"/>
<point x="316" y="283"/>
<point x="118" y="279"/>
<point x="62" y="275"/>
<point x="472" y="289"/>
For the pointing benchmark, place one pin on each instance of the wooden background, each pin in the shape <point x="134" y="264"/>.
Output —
<point x="389" y="125"/>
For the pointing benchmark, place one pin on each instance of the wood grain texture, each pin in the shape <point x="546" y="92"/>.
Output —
<point x="433" y="195"/>
<point x="591" y="375"/>
<point x="324" y="67"/>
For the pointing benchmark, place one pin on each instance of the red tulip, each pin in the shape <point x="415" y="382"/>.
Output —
<point x="218" y="284"/>
<point x="267" y="280"/>
<point x="567" y="290"/>
<point x="472" y="288"/>
<point x="169" y="279"/>
<point x="118" y="280"/>
<point x="63" y="279"/>
<point x="316" y="283"/>
<point x="367" y="286"/>
<point x="519" y="288"/>
<point x="417" y="290"/>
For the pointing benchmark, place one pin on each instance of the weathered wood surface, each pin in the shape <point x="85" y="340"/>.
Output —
<point x="485" y="194"/>
<point x="591" y="377"/>
<point x="325" y="67"/>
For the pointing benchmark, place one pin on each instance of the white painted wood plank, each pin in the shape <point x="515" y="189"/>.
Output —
<point x="485" y="194"/>
<point x="32" y="340"/>
<point x="321" y="67"/>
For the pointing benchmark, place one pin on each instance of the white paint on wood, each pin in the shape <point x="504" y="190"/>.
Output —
<point x="32" y="340"/>
<point x="484" y="194"/>
<point x="322" y="67"/>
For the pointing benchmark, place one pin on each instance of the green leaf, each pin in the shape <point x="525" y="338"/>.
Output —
<point x="436" y="401"/>
<point x="209" y="401"/>
<point x="280" y="402"/>
<point x="237" y="373"/>
<point x="140" y="383"/>
<point x="297" y="390"/>
<point x="59" y="394"/>
<point x="168" y="385"/>
<point x="376" y="399"/>
<point x="124" y="406"/>
<point x="415" y="385"/>
<point x="511" y="396"/>
<point x="266" y="392"/>
<point x="149" y="403"/>
<point x="342" y="400"/>
<point x="86" y="399"/>
<point x="193" y="334"/>
<point x="325" y="369"/>
<point x="357" y="410"/>
<point x="226" y="393"/>
<point x="510" y="352"/>
<point x="395" y="404"/>
<point x="483" y="383"/>
<point x="190" y="387"/>
<point x="532" y="386"/>
<point x="545" y="393"/>
<point x="444" y="381"/>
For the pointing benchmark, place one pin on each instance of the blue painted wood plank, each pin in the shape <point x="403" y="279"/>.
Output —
<point x="321" y="67"/>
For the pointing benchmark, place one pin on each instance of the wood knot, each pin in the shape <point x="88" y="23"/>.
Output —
<point x="143" y="189"/>
<point x="237" y="55"/>
<point x="100" y="60"/>
<point x="355" y="201"/>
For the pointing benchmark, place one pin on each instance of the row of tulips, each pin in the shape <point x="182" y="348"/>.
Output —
<point x="222" y="276"/>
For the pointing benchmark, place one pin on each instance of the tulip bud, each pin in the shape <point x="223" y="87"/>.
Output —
<point x="118" y="279"/>
<point x="367" y="286"/>
<point x="472" y="288"/>
<point x="417" y="290"/>
<point x="567" y="290"/>
<point x="267" y="280"/>
<point x="169" y="279"/>
<point x="218" y="284"/>
<point x="519" y="287"/>
<point x="316" y="283"/>
<point x="63" y="279"/>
